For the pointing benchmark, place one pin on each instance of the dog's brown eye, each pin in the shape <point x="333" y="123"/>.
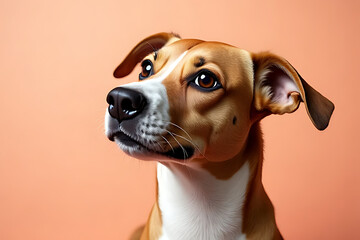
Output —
<point x="147" y="69"/>
<point x="205" y="81"/>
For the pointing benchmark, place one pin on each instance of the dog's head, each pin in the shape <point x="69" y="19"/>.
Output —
<point x="197" y="99"/>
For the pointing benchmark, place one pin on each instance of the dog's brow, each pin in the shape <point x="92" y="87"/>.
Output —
<point x="200" y="62"/>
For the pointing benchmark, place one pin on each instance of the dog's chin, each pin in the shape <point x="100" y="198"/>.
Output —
<point x="136" y="149"/>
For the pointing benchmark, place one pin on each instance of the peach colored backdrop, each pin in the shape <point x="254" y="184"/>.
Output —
<point x="60" y="178"/>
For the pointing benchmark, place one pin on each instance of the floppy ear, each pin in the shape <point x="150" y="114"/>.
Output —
<point x="279" y="89"/>
<point x="141" y="50"/>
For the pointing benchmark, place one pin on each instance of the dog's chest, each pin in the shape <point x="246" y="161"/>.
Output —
<point x="196" y="205"/>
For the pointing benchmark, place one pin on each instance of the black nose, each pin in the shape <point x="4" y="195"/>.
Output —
<point x="125" y="103"/>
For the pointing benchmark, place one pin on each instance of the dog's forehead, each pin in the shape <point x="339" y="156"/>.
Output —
<point x="199" y="47"/>
<point x="178" y="47"/>
<point x="227" y="57"/>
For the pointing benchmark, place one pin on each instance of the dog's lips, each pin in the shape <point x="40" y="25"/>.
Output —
<point x="179" y="153"/>
<point x="124" y="139"/>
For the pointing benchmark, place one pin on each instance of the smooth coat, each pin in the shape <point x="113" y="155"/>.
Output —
<point x="197" y="205"/>
<point x="216" y="193"/>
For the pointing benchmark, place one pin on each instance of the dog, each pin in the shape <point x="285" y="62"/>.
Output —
<point x="196" y="111"/>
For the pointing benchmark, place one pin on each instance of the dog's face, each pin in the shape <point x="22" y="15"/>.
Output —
<point x="198" y="100"/>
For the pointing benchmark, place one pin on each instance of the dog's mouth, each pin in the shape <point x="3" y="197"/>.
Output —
<point x="178" y="153"/>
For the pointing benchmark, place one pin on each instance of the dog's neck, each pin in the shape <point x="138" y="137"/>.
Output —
<point x="195" y="203"/>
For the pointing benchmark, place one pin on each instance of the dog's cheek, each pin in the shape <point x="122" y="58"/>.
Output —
<point x="226" y="141"/>
<point x="176" y="101"/>
<point x="228" y="136"/>
<point x="199" y="128"/>
<point x="203" y="102"/>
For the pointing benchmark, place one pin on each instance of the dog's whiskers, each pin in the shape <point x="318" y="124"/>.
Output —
<point x="181" y="146"/>
<point x="180" y="129"/>
<point x="159" y="144"/>
<point x="191" y="142"/>
<point x="168" y="143"/>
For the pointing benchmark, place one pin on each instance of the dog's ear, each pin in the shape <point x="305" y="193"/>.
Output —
<point x="279" y="89"/>
<point x="141" y="50"/>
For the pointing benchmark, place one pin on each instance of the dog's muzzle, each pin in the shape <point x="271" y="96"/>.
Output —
<point x="125" y="103"/>
<point x="139" y="131"/>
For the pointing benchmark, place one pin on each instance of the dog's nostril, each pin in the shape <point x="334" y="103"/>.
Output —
<point x="110" y="100"/>
<point x="126" y="104"/>
<point x="128" y="107"/>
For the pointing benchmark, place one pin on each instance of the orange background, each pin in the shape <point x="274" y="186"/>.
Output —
<point x="60" y="178"/>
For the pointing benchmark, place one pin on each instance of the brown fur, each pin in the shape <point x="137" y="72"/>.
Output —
<point x="152" y="228"/>
<point x="208" y="117"/>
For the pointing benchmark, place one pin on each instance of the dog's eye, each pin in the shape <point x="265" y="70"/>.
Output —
<point x="147" y="69"/>
<point x="206" y="81"/>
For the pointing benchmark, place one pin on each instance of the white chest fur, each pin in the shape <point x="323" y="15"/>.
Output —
<point x="196" y="205"/>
